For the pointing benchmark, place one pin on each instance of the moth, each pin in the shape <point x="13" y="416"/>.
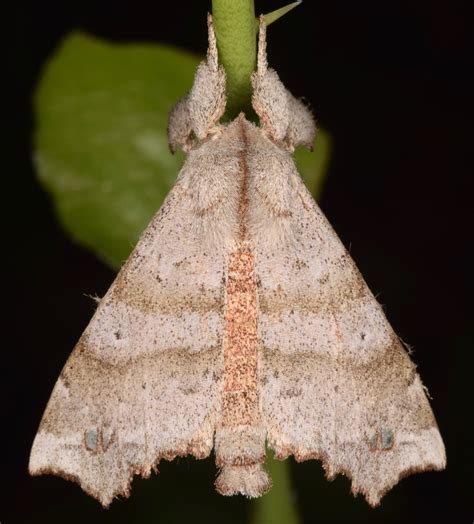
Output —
<point x="238" y="321"/>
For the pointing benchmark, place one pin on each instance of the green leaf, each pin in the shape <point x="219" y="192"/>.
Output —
<point x="101" y="144"/>
<point x="313" y="165"/>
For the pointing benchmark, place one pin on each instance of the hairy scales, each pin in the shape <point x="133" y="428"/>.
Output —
<point x="238" y="320"/>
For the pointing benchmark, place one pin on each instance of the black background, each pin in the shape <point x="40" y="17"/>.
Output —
<point x="391" y="82"/>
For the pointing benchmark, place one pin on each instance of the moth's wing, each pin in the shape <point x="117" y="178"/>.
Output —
<point x="335" y="382"/>
<point x="144" y="381"/>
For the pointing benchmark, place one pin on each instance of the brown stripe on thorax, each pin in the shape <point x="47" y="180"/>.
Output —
<point x="240" y="344"/>
<point x="243" y="206"/>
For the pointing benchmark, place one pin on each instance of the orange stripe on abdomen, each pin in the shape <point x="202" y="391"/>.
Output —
<point x="240" y="400"/>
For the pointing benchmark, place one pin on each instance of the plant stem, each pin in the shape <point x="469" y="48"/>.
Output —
<point x="278" y="506"/>
<point x="236" y="32"/>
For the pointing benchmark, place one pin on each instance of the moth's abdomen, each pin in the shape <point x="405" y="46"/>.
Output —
<point x="240" y="437"/>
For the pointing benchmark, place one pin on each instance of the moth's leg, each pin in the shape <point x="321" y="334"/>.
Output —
<point x="197" y="114"/>
<point x="283" y="117"/>
<point x="179" y="125"/>
<point x="301" y="128"/>
<point x="207" y="98"/>
<point x="269" y="98"/>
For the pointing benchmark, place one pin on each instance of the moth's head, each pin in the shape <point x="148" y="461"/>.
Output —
<point x="195" y="117"/>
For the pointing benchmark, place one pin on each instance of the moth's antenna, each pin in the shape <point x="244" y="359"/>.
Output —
<point x="212" y="56"/>
<point x="262" y="64"/>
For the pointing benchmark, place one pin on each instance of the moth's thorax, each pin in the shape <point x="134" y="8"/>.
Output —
<point x="237" y="183"/>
